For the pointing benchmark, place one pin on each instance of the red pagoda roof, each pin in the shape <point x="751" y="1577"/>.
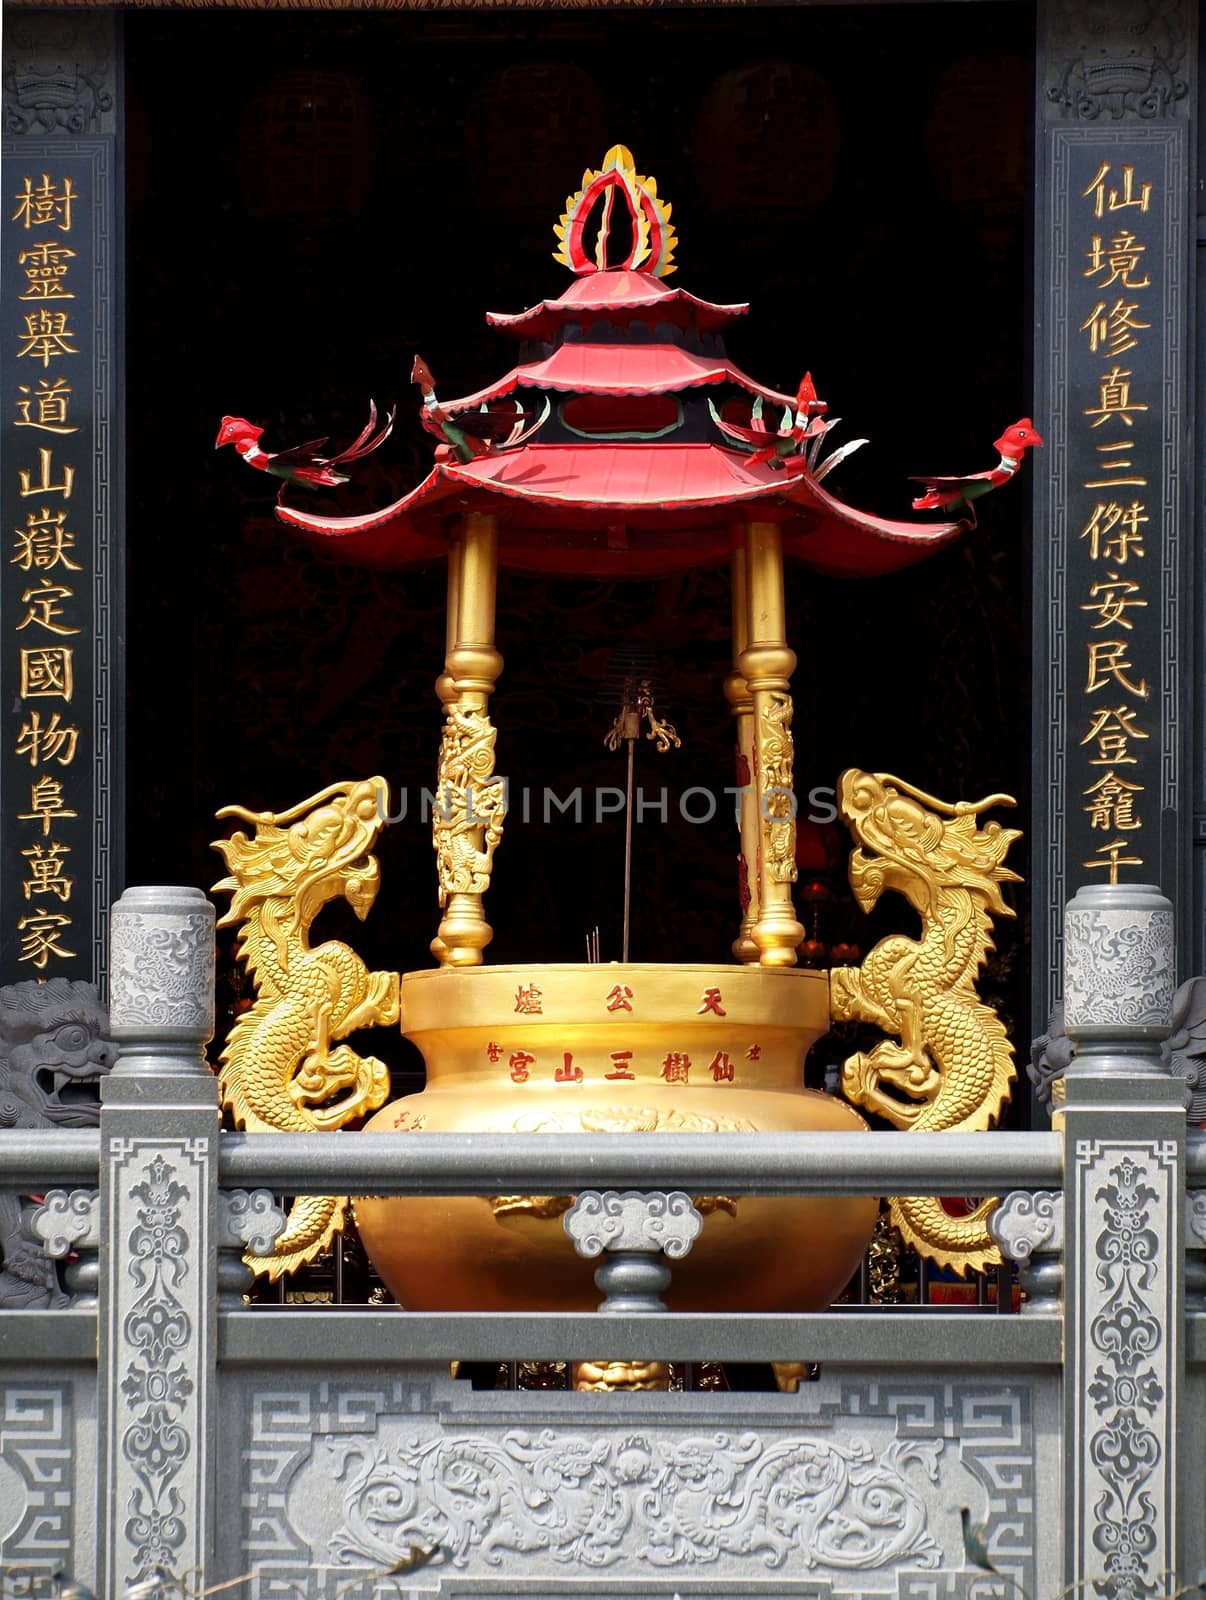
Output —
<point x="636" y="509"/>
<point x="623" y="295"/>
<point x="612" y="486"/>
<point x="618" y="369"/>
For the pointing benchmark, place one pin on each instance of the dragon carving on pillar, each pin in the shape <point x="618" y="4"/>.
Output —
<point x="948" y="1062"/>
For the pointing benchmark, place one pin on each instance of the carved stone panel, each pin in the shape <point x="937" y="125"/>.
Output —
<point x="1116" y="61"/>
<point x="37" y="1499"/>
<point x="853" y="1488"/>
<point x="60" y="73"/>
<point x="156" y="1356"/>
<point x="1124" y="1349"/>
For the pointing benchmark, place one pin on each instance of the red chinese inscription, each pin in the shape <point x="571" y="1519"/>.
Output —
<point x="675" y="1067"/>
<point x="721" y="1067"/>
<point x="621" y="1071"/>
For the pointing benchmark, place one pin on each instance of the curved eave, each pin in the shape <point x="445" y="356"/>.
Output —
<point x="627" y="294"/>
<point x="617" y="369"/>
<point x="624" y="509"/>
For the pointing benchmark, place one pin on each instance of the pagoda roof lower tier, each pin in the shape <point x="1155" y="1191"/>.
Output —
<point x="616" y="510"/>
<point x="618" y="369"/>
<point x="619" y="295"/>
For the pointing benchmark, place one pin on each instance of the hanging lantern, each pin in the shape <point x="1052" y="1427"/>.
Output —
<point x="563" y="109"/>
<point x="308" y="147"/>
<point x="976" y="136"/>
<point x="767" y="137"/>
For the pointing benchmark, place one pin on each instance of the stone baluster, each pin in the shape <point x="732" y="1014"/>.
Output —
<point x="634" y="1231"/>
<point x="158" y="1259"/>
<point x="1029" y="1229"/>
<point x="1195" y="1251"/>
<point x="67" y="1225"/>
<point x="1124" y="1210"/>
<point x="248" y="1219"/>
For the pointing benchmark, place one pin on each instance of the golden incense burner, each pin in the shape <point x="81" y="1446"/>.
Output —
<point x="612" y="1048"/>
<point x="631" y="1046"/>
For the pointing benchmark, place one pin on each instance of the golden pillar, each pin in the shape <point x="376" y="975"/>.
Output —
<point x="766" y="664"/>
<point x="445" y="688"/>
<point x="470" y="803"/>
<point x="741" y="704"/>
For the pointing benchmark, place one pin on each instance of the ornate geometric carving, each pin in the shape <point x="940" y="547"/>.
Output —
<point x="249" y="1218"/>
<point x="1119" y="952"/>
<point x="470" y="803"/>
<point x="611" y="1220"/>
<point x="1183" y="1052"/>
<point x="37" y="1440"/>
<point x="1185" y="1047"/>
<point x="775" y="761"/>
<point x="1118" y="59"/>
<point x="67" y="1218"/>
<point x="1125" y="1436"/>
<point x="1195" y="1219"/>
<point x="849" y="1491"/>
<point x="162" y="978"/>
<point x="59" y="74"/>
<point x="157" y="1369"/>
<point x="54" y="1051"/>
<point x="579" y="1499"/>
<point x="1024" y="1223"/>
<point x="157" y="1384"/>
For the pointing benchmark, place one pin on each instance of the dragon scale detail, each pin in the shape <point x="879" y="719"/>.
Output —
<point x="282" y="1069"/>
<point x="948" y="1062"/>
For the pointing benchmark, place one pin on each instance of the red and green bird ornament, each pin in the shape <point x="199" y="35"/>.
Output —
<point x="798" y="439"/>
<point x="304" y="463"/>
<point x="949" y="494"/>
<point x="470" y="434"/>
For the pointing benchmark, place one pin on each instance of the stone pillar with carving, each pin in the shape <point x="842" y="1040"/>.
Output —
<point x="1124" y="1209"/>
<point x="159" y="1239"/>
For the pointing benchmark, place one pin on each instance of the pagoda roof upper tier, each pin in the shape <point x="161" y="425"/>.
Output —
<point x="618" y="369"/>
<point x="624" y="510"/>
<point x="619" y="295"/>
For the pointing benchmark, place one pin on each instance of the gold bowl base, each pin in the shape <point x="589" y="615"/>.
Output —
<point x="613" y="1048"/>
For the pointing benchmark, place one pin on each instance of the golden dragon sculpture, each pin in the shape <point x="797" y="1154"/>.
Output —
<point x="281" y="1070"/>
<point x="953" y="1066"/>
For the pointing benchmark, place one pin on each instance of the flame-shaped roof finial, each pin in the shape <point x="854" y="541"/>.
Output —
<point x="653" y="236"/>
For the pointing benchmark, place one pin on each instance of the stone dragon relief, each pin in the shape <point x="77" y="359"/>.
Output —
<point x="592" y="1500"/>
<point x="54" y="1050"/>
<point x="281" y="1068"/>
<point x="949" y="1063"/>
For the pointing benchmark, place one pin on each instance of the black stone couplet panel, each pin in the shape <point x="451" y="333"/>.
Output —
<point x="1110" y="794"/>
<point x="57" y="316"/>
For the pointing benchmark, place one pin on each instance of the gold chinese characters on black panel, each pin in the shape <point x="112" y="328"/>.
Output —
<point x="1118" y="509"/>
<point x="48" y="608"/>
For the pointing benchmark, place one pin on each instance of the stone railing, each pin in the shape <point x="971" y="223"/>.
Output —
<point x="188" y="1394"/>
